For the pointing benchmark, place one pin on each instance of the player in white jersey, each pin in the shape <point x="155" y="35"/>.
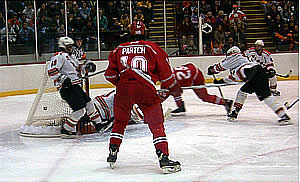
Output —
<point x="104" y="104"/>
<point x="256" y="81"/>
<point x="263" y="57"/>
<point x="64" y="70"/>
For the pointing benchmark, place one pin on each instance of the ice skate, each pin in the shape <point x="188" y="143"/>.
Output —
<point x="65" y="134"/>
<point x="179" y="111"/>
<point x="284" y="120"/>
<point x="112" y="157"/>
<point x="275" y="92"/>
<point x="168" y="166"/>
<point x="232" y="116"/>
<point x="228" y="105"/>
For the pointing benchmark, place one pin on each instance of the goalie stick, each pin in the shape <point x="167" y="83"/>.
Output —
<point x="93" y="74"/>
<point x="284" y="76"/>
<point x="205" y="86"/>
<point x="286" y="104"/>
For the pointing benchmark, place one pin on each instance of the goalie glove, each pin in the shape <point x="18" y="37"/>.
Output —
<point x="210" y="70"/>
<point x="90" y="67"/>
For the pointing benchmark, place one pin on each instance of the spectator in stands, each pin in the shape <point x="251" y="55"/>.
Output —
<point x="75" y="10"/>
<point x="15" y="26"/>
<point x="226" y="25"/>
<point x="84" y="11"/>
<point x="14" y="20"/>
<point x="59" y="20"/>
<point x="51" y="11"/>
<point x="61" y="31"/>
<point x="12" y="36"/>
<point x="186" y="4"/>
<point x="52" y="36"/>
<point x="29" y="11"/>
<point x="203" y="7"/>
<point x="292" y="23"/>
<point x="42" y="11"/>
<point x="217" y="49"/>
<point x="137" y="30"/>
<point x="185" y="33"/>
<point x="26" y="34"/>
<point x="220" y="17"/>
<point x="23" y="18"/>
<point x="240" y="14"/>
<point x="43" y="24"/>
<point x="125" y="22"/>
<point x="146" y="7"/>
<point x="90" y="35"/>
<point x="139" y="15"/>
<point x="237" y="22"/>
<point x="284" y="13"/>
<point x="272" y="13"/>
<point x="276" y="25"/>
<point x="103" y="22"/>
<point x="216" y="8"/>
<point x="111" y="12"/>
<point x="2" y="20"/>
<point x="210" y="19"/>
<point x="31" y="21"/>
<point x="116" y="26"/>
<point x="219" y="35"/>
<point x="229" y="43"/>
<point x="238" y="36"/>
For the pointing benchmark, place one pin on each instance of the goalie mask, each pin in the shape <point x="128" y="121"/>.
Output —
<point x="65" y="43"/>
<point x="233" y="50"/>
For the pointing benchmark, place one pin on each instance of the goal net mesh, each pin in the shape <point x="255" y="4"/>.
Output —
<point x="47" y="112"/>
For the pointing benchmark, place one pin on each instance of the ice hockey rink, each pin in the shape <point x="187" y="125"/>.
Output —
<point x="209" y="147"/>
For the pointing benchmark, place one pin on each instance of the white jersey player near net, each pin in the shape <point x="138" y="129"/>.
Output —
<point x="263" y="57"/>
<point x="104" y="104"/>
<point x="64" y="70"/>
<point x="256" y="81"/>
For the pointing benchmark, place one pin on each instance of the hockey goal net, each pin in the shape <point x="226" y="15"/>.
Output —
<point x="47" y="112"/>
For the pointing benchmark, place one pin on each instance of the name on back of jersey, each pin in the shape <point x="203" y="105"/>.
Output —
<point x="134" y="50"/>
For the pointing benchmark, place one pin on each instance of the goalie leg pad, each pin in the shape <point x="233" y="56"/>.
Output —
<point x="72" y="120"/>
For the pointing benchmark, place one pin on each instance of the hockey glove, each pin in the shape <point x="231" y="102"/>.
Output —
<point x="210" y="70"/>
<point x="66" y="81"/>
<point x="90" y="67"/>
<point x="175" y="90"/>
<point x="216" y="81"/>
<point x="270" y="72"/>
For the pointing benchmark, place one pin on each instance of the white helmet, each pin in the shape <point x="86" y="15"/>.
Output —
<point x="259" y="42"/>
<point x="233" y="49"/>
<point x="65" y="41"/>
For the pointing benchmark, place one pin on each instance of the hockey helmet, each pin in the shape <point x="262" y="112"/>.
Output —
<point x="233" y="50"/>
<point x="260" y="42"/>
<point x="63" y="42"/>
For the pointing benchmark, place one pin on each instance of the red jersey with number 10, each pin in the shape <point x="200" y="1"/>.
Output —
<point x="142" y="60"/>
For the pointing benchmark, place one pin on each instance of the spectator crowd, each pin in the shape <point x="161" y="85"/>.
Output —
<point x="223" y="24"/>
<point x="283" y="23"/>
<point x="81" y="21"/>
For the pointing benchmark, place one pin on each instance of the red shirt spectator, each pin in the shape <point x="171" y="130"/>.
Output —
<point x="242" y="15"/>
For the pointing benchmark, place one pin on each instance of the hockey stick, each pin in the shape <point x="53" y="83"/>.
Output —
<point x="93" y="74"/>
<point x="221" y="93"/>
<point x="286" y="104"/>
<point x="205" y="86"/>
<point x="284" y="76"/>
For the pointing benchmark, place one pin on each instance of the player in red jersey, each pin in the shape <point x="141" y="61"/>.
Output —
<point x="189" y="75"/>
<point x="134" y="68"/>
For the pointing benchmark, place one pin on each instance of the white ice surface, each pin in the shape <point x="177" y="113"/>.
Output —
<point x="209" y="148"/>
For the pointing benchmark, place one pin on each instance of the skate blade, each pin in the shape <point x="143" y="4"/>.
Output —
<point x="284" y="123"/>
<point x="111" y="165"/>
<point x="170" y="170"/>
<point x="64" y="136"/>
<point x="177" y="114"/>
<point x="231" y="120"/>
